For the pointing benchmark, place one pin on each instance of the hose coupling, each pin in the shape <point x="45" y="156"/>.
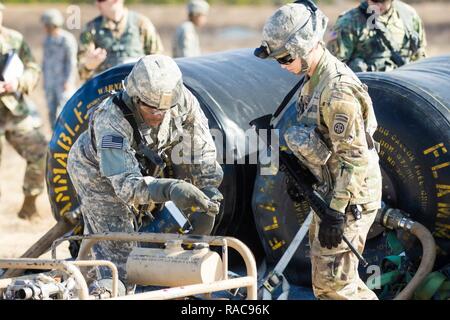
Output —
<point x="394" y="219"/>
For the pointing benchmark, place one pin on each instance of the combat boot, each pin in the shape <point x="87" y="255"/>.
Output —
<point x="28" y="210"/>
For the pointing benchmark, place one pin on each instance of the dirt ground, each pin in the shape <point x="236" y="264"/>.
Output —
<point x="228" y="28"/>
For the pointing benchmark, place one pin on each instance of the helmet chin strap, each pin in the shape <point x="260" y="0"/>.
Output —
<point x="305" y="66"/>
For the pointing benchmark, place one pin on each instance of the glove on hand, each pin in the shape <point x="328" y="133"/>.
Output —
<point x="216" y="198"/>
<point x="331" y="228"/>
<point x="186" y="195"/>
<point x="182" y="193"/>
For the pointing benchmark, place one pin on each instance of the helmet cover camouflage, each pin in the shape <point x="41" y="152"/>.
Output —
<point x="293" y="29"/>
<point x="156" y="80"/>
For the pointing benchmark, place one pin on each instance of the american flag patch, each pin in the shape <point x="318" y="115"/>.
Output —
<point x="112" y="142"/>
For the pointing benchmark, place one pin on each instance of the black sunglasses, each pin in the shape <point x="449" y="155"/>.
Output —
<point x="287" y="59"/>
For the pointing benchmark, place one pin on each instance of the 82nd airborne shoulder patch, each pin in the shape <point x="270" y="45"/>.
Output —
<point x="340" y="124"/>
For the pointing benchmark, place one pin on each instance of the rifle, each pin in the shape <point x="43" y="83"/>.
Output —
<point x="303" y="180"/>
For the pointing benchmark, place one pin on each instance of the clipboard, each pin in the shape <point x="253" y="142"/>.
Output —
<point x="14" y="67"/>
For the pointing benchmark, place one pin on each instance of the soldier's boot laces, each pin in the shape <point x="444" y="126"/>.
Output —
<point x="28" y="210"/>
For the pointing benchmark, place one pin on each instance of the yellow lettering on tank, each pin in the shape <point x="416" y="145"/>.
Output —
<point x="442" y="226"/>
<point x="275" y="244"/>
<point x="61" y="158"/>
<point x="59" y="171"/>
<point x="66" y="139"/>
<point x="442" y="190"/>
<point x="62" y="198"/>
<point x="59" y="179"/>
<point x="383" y="131"/>
<point x="442" y="230"/>
<point x="443" y="210"/>
<point x="79" y="116"/>
<point x="111" y="87"/>
<point x="61" y="189"/>
<point x="273" y="226"/>
<point x="386" y="146"/>
<point x="62" y="145"/>
<point x="439" y="167"/>
<point x="267" y="207"/>
<point x="69" y="129"/>
<point x="435" y="150"/>
<point x="66" y="208"/>
<point x="92" y="103"/>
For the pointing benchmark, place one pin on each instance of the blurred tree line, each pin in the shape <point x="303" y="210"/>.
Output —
<point x="231" y="2"/>
<point x="248" y="2"/>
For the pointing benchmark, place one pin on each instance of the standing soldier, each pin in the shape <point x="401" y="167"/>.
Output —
<point x="116" y="36"/>
<point x="186" y="42"/>
<point x="378" y="35"/>
<point x="158" y="114"/>
<point x="60" y="63"/>
<point x="19" y="75"/>
<point x="333" y="139"/>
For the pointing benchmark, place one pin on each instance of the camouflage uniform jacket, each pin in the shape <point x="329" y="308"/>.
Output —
<point x="109" y="146"/>
<point x="60" y="61"/>
<point x="336" y="104"/>
<point x="11" y="40"/>
<point x="186" y="42"/>
<point x="133" y="37"/>
<point x="354" y="39"/>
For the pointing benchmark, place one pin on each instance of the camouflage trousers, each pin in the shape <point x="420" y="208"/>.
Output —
<point x="29" y="141"/>
<point x="335" y="271"/>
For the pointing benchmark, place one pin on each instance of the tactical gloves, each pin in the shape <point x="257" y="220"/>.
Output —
<point x="183" y="194"/>
<point x="189" y="199"/>
<point x="203" y="224"/>
<point x="187" y="196"/>
<point x="216" y="197"/>
<point x="331" y="228"/>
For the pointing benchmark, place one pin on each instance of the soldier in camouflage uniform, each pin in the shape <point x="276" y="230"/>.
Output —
<point x="117" y="36"/>
<point x="59" y="64"/>
<point x="378" y="35"/>
<point x="334" y="140"/>
<point x="16" y="123"/>
<point x="186" y="42"/>
<point x="106" y="173"/>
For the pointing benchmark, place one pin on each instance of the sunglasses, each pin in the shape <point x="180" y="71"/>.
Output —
<point x="101" y="0"/>
<point x="287" y="59"/>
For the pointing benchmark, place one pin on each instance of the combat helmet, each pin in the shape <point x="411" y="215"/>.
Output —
<point x="156" y="81"/>
<point x="294" y="29"/>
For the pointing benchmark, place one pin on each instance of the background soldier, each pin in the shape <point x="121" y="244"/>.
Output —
<point x="59" y="64"/>
<point x="116" y="36"/>
<point x="103" y="163"/>
<point x="333" y="138"/>
<point x="16" y="123"/>
<point x="378" y="35"/>
<point x="186" y="42"/>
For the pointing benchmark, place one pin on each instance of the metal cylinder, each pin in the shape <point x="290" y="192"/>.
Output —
<point x="174" y="266"/>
